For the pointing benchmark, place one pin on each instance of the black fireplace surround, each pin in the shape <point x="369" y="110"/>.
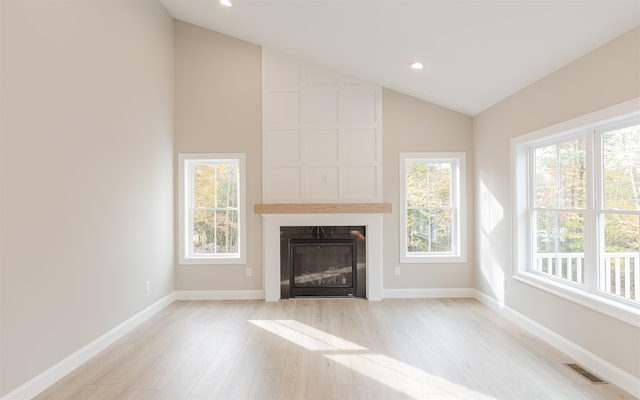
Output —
<point x="322" y="261"/>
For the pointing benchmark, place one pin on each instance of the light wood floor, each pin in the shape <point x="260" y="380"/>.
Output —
<point x="328" y="349"/>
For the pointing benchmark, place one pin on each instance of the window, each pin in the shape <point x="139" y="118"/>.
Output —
<point x="212" y="214"/>
<point x="559" y="198"/>
<point x="577" y="218"/>
<point x="432" y="207"/>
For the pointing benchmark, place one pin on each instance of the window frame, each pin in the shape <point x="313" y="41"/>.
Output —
<point x="185" y="190"/>
<point x="587" y="294"/>
<point x="533" y="208"/>
<point x="458" y="196"/>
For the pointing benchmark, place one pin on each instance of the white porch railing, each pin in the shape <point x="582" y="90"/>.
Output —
<point x="619" y="272"/>
<point x="621" y="275"/>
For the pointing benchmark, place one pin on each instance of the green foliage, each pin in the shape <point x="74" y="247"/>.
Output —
<point x="621" y="156"/>
<point x="621" y="233"/>
<point x="429" y="208"/>
<point x="621" y="159"/>
<point x="215" y="208"/>
<point x="561" y="184"/>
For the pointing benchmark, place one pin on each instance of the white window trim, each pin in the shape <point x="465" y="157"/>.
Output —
<point x="521" y="228"/>
<point x="183" y="236"/>
<point x="460" y="185"/>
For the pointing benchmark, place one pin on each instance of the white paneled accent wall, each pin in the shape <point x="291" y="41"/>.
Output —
<point x="322" y="134"/>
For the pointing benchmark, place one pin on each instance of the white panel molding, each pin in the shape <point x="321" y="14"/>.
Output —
<point x="220" y="295"/>
<point x="435" y="293"/>
<point x="321" y="131"/>
<point x="588" y="360"/>
<point x="53" y="374"/>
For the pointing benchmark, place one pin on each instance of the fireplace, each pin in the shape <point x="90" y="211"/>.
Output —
<point x="370" y="270"/>
<point x="322" y="261"/>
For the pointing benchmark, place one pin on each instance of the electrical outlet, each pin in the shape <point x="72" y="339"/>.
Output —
<point x="397" y="270"/>
<point x="147" y="286"/>
<point x="249" y="272"/>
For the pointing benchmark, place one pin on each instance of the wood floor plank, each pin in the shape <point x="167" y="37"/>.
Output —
<point x="322" y="378"/>
<point x="125" y="381"/>
<point x="265" y="385"/>
<point x="243" y="371"/>
<point x="294" y="378"/>
<point x="212" y="379"/>
<point x="352" y="392"/>
<point x="333" y="349"/>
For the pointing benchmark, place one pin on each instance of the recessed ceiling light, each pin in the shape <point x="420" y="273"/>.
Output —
<point x="226" y="3"/>
<point x="417" y="65"/>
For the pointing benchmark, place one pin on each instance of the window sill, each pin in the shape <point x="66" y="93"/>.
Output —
<point x="404" y="259"/>
<point x="212" y="261"/>
<point x="601" y="304"/>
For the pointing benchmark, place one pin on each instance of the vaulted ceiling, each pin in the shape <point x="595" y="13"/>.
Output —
<point x="475" y="52"/>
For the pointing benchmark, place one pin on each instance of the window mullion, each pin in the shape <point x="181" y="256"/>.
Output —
<point x="226" y="226"/>
<point x="215" y="209"/>
<point x="593" y="220"/>
<point x="190" y="204"/>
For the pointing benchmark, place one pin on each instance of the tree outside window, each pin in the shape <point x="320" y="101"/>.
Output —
<point x="211" y="208"/>
<point x="431" y="198"/>
<point x="619" y="214"/>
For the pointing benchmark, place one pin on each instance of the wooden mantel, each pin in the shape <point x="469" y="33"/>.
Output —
<point x="324" y="208"/>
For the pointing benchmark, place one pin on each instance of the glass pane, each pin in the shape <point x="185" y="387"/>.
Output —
<point x="441" y="230"/>
<point x="429" y="231"/>
<point x="322" y="265"/>
<point x="429" y="184"/>
<point x="203" y="186"/>
<point x="621" y="233"/>
<point x="226" y="231"/>
<point x="559" y="232"/>
<point x="560" y="178"/>
<point x="417" y="231"/>
<point x="560" y="245"/>
<point x="546" y="177"/>
<point x="226" y="186"/>
<point x="573" y="177"/>
<point x="546" y="231"/>
<point x="621" y="155"/>
<point x="203" y="232"/>
<point x="621" y="261"/>
<point x="439" y="184"/>
<point x="417" y="185"/>
<point x="570" y="232"/>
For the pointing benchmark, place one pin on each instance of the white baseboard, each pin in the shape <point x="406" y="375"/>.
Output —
<point x="47" y="378"/>
<point x="427" y="293"/>
<point x="583" y="357"/>
<point x="220" y="295"/>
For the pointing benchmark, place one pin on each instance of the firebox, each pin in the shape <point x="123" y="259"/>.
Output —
<point x="323" y="261"/>
<point x="323" y="267"/>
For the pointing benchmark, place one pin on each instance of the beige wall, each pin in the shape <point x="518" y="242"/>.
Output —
<point x="605" y="77"/>
<point x="86" y="158"/>
<point x="218" y="97"/>
<point x="412" y="125"/>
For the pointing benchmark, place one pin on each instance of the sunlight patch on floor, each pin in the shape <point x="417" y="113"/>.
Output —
<point x="306" y="336"/>
<point x="399" y="376"/>
<point x="405" y="378"/>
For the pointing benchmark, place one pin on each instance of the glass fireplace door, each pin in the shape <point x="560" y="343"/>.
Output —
<point x="323" y="267"/>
